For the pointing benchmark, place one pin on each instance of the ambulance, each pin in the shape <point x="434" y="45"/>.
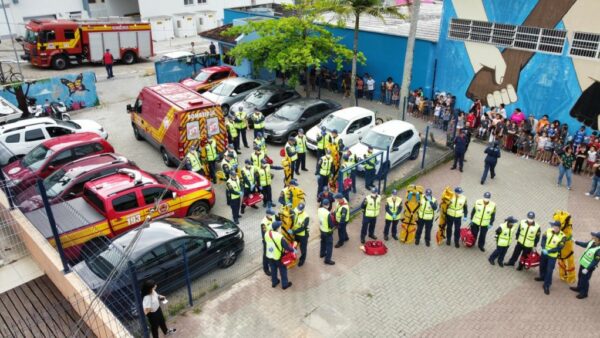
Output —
<point x="174" y="118"/>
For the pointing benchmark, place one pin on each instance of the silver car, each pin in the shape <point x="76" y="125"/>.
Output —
<point x="232" y="90"/>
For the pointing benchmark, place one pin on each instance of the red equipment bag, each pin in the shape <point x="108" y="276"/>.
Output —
<point x="282" y="152"/>
<point x="375" y="248"/>
<point x="530" y="261"/>
<point x="252" y="199"/>
<point x="269" y="160"/>
<point x="347" y="183"/>
<point x="466" y="236"/>
<point x="290" y="257"/>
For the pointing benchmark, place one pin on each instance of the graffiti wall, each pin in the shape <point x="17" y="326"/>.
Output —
<point x="175" y="70"/>
<point x="538" y="55"/>
<point x="77" y="91"/>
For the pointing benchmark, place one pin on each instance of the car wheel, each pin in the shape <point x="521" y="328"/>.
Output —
<point x="136" y="133"/>
<point x="129" y="58"/>
<point x="414" y="154"/>
<point x="94" y="247"/>
<point x="225" y="109"/>
<point x="59" y="62"/>
<point x="165" y="157"/>
<point x="378" y="121"/>
<point x="228" y="259"/>
<point x="198" y="208"/>
<point x="14" y="158"/>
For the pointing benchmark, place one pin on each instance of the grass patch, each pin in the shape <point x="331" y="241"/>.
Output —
<point x="176" y="308"/>
<point x="214" y="286"/>
<point x="197" y="310"/>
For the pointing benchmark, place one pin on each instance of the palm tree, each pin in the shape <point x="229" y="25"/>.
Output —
<point x="347" y="9"/>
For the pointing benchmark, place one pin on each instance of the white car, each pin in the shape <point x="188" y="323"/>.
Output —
<point x="18" y="138"/>
<point x="176" y="55"/>
<point x="351" y="124"/>
<point x="399" y="137"/>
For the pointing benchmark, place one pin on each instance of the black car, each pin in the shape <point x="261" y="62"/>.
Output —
<point x="266" y="100"/>
<point x="210" y="241"/>
<point x="300" y="113"/>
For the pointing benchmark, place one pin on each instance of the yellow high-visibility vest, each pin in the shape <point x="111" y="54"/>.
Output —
<point x="588" y="255"/>
<point x="264" y="175"/>
<point x="527" y="233"/>
<point x="455" y="208"/>
<point x="301" y="144"/>
<point x="273" y="245"/>
<point x="425" y="211"/>
<point x="338" y="213"/>
<point x="299" y="221"/>
<point x="234" y="185"/>
<point x="373" y="206"/>
<point x="483" y="213"/>
<point x="506" y="235"/>
<point x="231" y="129"/>
<point x="325" y="165"/>
<point x="192" y="157"/>
<point x="211" y="150"/>
<point x="291" y="149"/>
<point x="552" y="241"/>
<point x="323" y="215"/>
<point x="394" y="206"/>
<point x="255" y="117"/>
<point x="241" y="115"/>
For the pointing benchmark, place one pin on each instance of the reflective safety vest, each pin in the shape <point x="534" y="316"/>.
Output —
<point x="233" y="184"/>
<point x="455" y="208"/>
<point x="257" y="159"/>
<point x="370" y="164"/>
<point x="552" y="242"/>
<point x="227" y="165"/>
<point x="345" y="174"/>
<point x="338" y="213"/>
<point x="483" y="213"/>
<point x="588" y="255"/>
<point x="192" y="157"/>
<point x="301" y="144"/>
<point x="352" y="160"/>
<point x="425" y="211"/>
<point x="241" y="115"/>
<point x="249" y="174"/>
<point x="506" y="235"/>
<point x="321" y="142"/>
<point x="527" y="233"/>
<point x="211" y="150"/>
<point x="265" y="225"/>
<point x="299" y="221"/>
<point x="325" y="165"/>
<point x="257" y="116"/>
<point x="273" y="245"/>
<point x="264" y="176"/>
<point x="260" y="143"/>
<point x="323" y="215"/>
<point x="373" y="205"/>
<point x="231" y="129"/>
<point x="335" y="140"/>
<point x="288" y="196"/>
<point x="394" y="206"/>
<point x="289" y="149"/>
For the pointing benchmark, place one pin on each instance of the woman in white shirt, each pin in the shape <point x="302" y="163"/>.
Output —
<point x="151" y="304"/>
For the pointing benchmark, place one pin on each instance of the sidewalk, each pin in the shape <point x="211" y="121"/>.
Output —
<point x="420" y="291"/>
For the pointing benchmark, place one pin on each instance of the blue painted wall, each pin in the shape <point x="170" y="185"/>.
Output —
<point x="547" y="84"/>
<point x="384" y="53"/>
<point x="175" y="70"/>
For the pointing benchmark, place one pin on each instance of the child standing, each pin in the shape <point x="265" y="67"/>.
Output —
<point x="592" y="155"/>
<point x="580" y="157"/>
<point x="541" y="147"/>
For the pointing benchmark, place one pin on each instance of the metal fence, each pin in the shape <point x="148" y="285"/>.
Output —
<point x="175" y="70"/>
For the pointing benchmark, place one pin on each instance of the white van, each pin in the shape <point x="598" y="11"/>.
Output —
<point x="351" y="124"/>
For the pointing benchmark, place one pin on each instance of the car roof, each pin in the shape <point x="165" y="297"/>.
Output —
<point x="123" y="179"/>
<point x="393" y="127"/>
<point x="353" y="113"/>
<point x="63" y="142"/>
<point x="215" y="69"/>
<point x="179" y="95"/>
<point x="176" y="55"/>
<point x="239" y="80"/>
<point x="305" y="102"/>
<point x="93" y="162"/>
<point x="26" y="123"/>
<point x="155" y="233"/>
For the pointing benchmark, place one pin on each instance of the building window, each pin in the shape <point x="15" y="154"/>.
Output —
<point x="188" y="2"/>
<point x="201" y="1"/>
<point x="536" y="39"/>
<point x="585" y="45"/>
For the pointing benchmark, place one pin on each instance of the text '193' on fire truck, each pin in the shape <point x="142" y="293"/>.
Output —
<point x="58" y="43"/>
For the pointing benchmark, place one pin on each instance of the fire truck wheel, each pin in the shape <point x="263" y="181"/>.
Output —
<point x="198" y="208"/>
<point x="165" y="157"/>
<point x="136" y="134"/>
<point x="59" y="62"/>
<point x="129" y="58"/>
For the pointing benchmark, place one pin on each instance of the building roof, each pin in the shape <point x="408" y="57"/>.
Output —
<point x="217" y="34"/>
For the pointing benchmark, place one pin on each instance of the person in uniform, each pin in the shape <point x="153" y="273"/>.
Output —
<point x="342" y="217"/>
<point x="257" y="158"/>
<point x="457" y="209"/>
<point x="265" y="225"/>
<point x="460" y="148"/>
<point x="528" y="236"/>
<point x="241" y="124"/>
<point x="258" y="121"/>
<point x="299" y="230"/>
<point x="234" y="195"/>
<point x="232" y="133"/>
<point x="427" y="207"/>
<point x="264" y="183"/>
<point x="227" y="165"/>
<point x="393" y="213"/>
<point x="287" y="194"/>
<point x="504" y="236"/>
<point x="234" y="154"/>
<point x="290" y="152"/>
<point x="493" y="153"/>
<point x="587" y="264"/>
<point x="324" y="170"/>
<point x="346" y="175"/>
<point x="193" y="160"/>
<point x="276" y="246"/>
<point x="301" y="151"/>
<point x="211" y="158"/>
<point x="369" y="168"/>
<point x="336" y="140"/>
<point x="260" y="142"/>
<point x="248" y="182"/>
<point x="483" y="215"/>
<point x="326" y="195"/>
<point x="326" y="228"/>
<point x="553" y="240"/>
<point x="370" y="205"/>
<point x="322" y="142"/>
<point x="351" y="161"/>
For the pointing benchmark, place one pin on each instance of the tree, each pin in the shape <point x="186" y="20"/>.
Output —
<point x="346" y="9"/>
<point x="293" y="44"/>
<point x="410" y="48"/>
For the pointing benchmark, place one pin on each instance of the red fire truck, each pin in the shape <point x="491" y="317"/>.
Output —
<point x="58" y="43"/>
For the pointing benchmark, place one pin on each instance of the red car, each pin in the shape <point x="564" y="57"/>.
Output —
<point x="207" y="78"/>
<point x="50" y="156"/>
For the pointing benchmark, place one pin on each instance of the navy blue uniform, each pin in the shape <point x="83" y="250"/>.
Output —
<point x="460" y="147"/>
<point x="302" y="240"/>
<point x="547" y="263"/>
<point x="491" y="159"/>
<point x="326" y="196"/>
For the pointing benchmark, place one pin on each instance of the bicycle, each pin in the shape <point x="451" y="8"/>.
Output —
<point x="7" y="77"/>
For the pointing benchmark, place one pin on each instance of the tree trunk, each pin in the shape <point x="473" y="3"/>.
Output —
<point x="410" y="48"/>
<point x="307" y="82"/>
<point x="354" y="56"/>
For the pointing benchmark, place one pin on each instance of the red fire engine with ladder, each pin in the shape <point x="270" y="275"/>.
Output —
<point x="58" y="43"/>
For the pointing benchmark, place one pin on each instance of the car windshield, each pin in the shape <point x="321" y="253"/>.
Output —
<point x="334" y="122"/>
<point x="36" y="157"/>
<point x="223" y="89"/>
<point x="57" y="182"/>
<point x="166" y="180"/>
<point x="202" y="76"/>
<point x="193" y="227"/>
<point x="377" y="140"/>
<point x="258" y="98"/>
<point x="289" y="112"/>
<point x="31" y="36"/>
<point x="103" y="264"/>
<point x="68" y="124"/>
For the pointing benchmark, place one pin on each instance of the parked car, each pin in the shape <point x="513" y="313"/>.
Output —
<point x="208" y="77"/>
<point x="8" y="112"/>
<point x="114" y="204"/>
<point x="67" y="182"/>
<point x="351" y="124"/>
<point x="266" y="100"/>
<point x="399" y="137"/>
<point x="210" y="241"/>
<point x="18" y="138"/>
<point x="52" y="155"/>
<point x="176" y="55"/>
<point x="232" y="90"/>
<point x="301" y="113"/>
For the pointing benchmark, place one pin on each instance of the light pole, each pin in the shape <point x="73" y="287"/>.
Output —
<point x="410" y="48"/>
<point x="12" y="38"/>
